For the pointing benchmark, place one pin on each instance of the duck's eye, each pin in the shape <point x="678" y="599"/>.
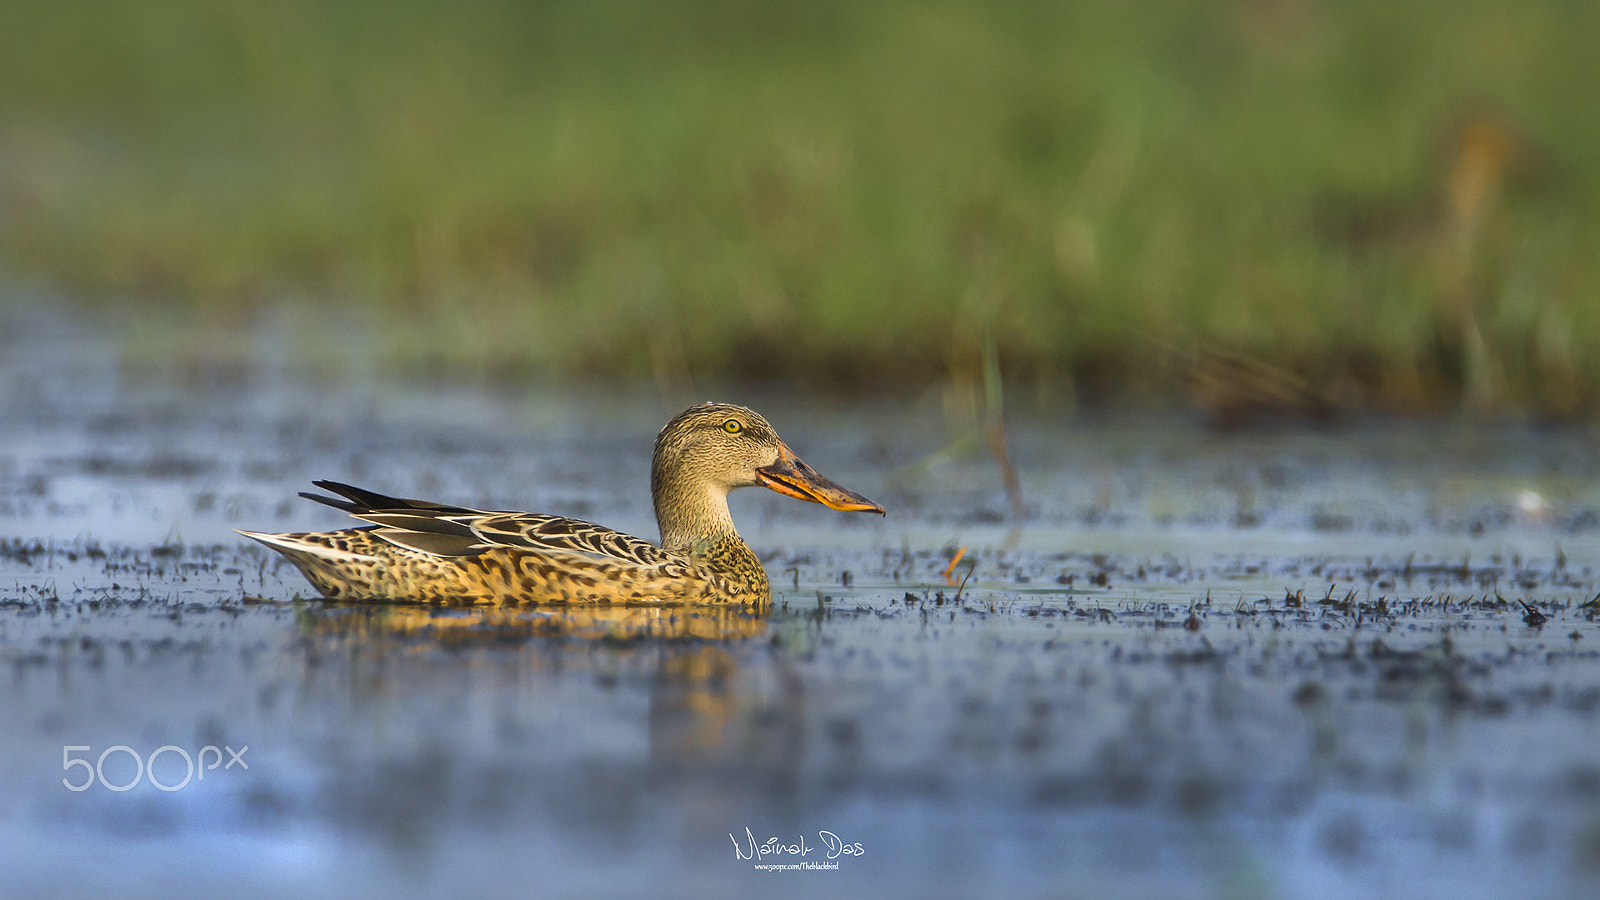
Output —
<point x="732" y="426"/>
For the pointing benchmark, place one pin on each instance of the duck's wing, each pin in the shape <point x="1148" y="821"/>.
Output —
<point x="532" y="531"/>
<point x="442" y="530"/>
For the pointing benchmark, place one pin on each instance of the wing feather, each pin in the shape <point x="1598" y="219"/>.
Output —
<point x="430" y="542"/>
<point x="546" y="533"/>
<point x="455" y="531"/>
<point x="417" y="521"/>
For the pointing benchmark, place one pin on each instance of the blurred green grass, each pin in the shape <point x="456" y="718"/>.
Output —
<point x="1387" y="204"/>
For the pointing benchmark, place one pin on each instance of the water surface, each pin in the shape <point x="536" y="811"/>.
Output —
<point x="1285" y="664"/>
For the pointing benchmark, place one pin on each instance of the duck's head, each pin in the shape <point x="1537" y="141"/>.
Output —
<point x="717" y="447"/>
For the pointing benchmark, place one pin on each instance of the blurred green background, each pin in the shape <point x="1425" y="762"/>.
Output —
<point x="1249" y="204"/>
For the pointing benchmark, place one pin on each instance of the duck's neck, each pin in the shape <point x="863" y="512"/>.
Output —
<point x="693" y="516"/>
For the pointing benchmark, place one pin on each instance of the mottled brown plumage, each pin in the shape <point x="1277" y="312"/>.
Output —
<point x="416" y="550"/>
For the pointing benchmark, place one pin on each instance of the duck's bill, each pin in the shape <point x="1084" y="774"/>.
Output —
<point x="791" y="477"/>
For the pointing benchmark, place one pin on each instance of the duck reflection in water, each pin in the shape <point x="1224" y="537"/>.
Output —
<point x="695" y="684"/>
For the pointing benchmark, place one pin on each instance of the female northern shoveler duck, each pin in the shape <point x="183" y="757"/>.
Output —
<point x="415" y="550"/>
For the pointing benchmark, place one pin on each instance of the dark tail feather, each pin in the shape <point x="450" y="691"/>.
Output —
<point x="361" y="500"/>
<point x="334" y="502"/>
